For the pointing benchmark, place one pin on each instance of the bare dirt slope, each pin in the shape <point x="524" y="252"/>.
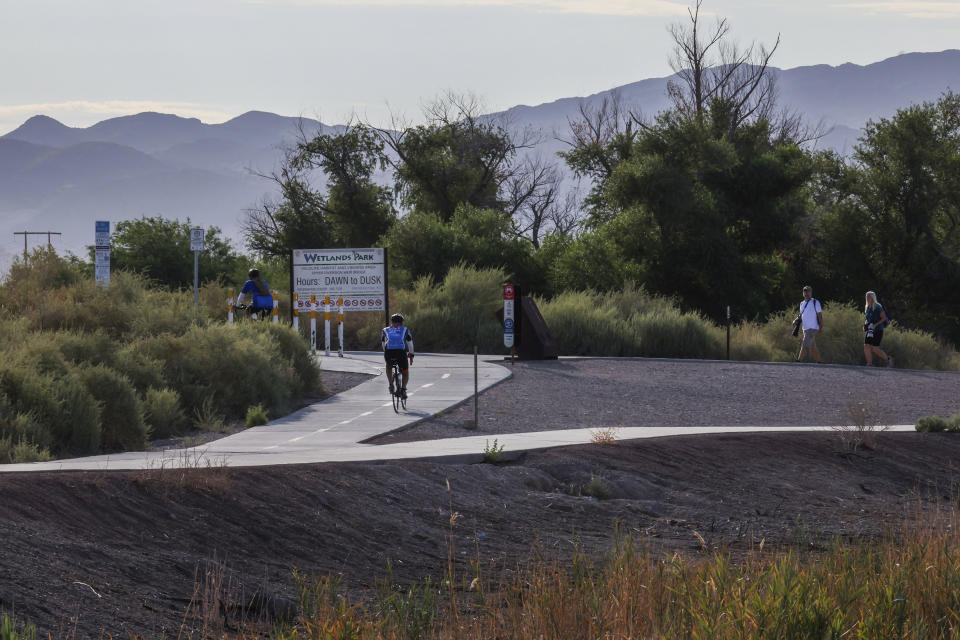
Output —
<point x="129" y="551"/>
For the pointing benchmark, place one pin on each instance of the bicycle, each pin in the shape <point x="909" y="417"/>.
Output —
<point x="250" y="313"/>
<point x="398" y="400"/>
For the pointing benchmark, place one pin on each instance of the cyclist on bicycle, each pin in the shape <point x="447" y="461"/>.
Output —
<point x="397" y="343"/>
<point x="260" y="291"/>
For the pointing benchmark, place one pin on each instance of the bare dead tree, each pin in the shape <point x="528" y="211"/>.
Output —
<point x="602" y="137"/>
<point x="537" y="202"/>
<point x="711" y="67"/>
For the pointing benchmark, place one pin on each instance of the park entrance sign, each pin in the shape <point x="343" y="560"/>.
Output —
<point x="358" y="276"/>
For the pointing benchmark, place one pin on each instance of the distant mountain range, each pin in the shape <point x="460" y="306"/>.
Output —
<point x="59" y="178"/>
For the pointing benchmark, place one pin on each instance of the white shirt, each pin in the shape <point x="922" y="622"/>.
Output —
<point x="809" y="314"/>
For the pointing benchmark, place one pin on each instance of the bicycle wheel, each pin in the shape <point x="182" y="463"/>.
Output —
<point x="396" y="387"/>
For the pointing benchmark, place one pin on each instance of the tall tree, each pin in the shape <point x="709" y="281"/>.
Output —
<point x="160" y="249"/>
<point x="899" y="227"/>
<point x="354" y="210"/>
<point x="458" y="157"/>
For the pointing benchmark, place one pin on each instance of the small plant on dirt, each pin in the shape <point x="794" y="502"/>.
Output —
<point x="932" y="424"/>
<point x="491" y="454"/>
<point x="256" y="415"/>
<point x="604" y="436"/>
<point x="860" y="423"/>
<point x="11" y="629"/>
<point x="598" y="488"/>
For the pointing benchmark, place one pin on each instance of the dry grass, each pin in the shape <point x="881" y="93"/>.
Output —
<point x="859" y="424"/>
<point x="192" y="470"/>
<point x="604" y="436"/>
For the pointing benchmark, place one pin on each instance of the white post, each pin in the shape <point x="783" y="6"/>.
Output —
<point x="230" y="305"/>
<point x="276" y="307"/>
<point x="326" y="325"/>
<point x="313" y="322"/>
<point x="340" y="325"/>
<point x="294" y="302"/>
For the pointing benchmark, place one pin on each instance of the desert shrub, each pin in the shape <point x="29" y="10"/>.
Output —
<point x="931" y="424"/>
<point x="290" y="347"/>
<point x="234" y="365"/>
<point x="581" y="327"/>
<point x="629" y="322"/>
<point x="914" y="349"/>
<point x="256" y="415"/>
<point x="121" y="413"/>
<point x="63" y="414"/>
<point x="953" y="423"/>
<point x="21" y="450"/>
<point x="747" y="342"/>
<point x="20" y="432"/>
<point x="140" y="369"/>
<point x="675" y="335"/>
<point x="86" y="348"/>
<point x="597" y="487"/>
<point x="456" y="314"/>
<point x="40" y="270"/>
<point x="207" y="418"/>
<point x="163" y="414"/>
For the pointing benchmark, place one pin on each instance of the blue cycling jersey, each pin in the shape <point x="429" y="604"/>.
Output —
<point x="396" y="337"/>
<point x="260" y="301"/>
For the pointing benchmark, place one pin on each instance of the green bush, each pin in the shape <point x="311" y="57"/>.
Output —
<point x="931" y="424"/>
<point x="121" y="413"/>
<point x="22" y="450"/>
<point x="65" y="415"/>
<point x="953" y="423"/>
<point x="163" y="414"/>
<point x="256" y="416"/>
<point x="456" y="314"/>
<point x="144" y="372"/>
<point x="629" y="322"/>
<point x="230" y="366"/>
<point x="89" y="368"/>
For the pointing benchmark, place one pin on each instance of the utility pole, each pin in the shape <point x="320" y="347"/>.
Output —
<point x="26" y="234"/>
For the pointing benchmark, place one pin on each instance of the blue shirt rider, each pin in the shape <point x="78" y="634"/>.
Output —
<point x="259" y="290"/>
<point x="397" y="344"/>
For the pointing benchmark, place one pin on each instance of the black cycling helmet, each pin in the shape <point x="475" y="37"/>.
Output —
<point x="397" y="317"/>
<point x="254" y="274"/>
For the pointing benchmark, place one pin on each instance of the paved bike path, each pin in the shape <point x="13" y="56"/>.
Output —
<point x="335" y="429"/>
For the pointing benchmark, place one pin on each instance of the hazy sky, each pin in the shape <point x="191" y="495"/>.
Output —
<point x="82" y="61"/>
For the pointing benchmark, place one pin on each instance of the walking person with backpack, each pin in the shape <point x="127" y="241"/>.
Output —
<point x="810" y="320"/>
<point x="875" y="321"/>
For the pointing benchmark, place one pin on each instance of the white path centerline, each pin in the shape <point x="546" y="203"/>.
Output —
<point x="296" y="439"/>
<point x="445" y="376"/>
<point x="366" y="413"/>
<point x="275" y="446"/>
<point x="424" y="386"/>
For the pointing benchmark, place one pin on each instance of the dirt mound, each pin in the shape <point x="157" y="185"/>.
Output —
<point x="154" y="552"/>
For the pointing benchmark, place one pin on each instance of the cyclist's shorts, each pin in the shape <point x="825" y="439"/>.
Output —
<point x="396" y="355"/>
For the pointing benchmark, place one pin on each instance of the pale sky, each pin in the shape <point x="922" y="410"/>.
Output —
<point x="82" y="61"/>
